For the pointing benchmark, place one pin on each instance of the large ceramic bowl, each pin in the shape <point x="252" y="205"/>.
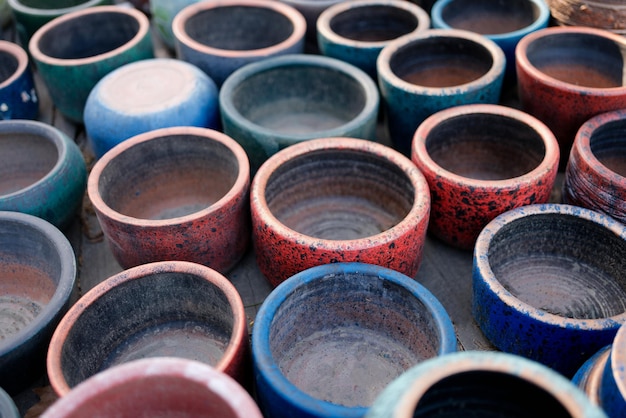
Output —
<point x="338" y="199"/>
<point x="177" y="193"/>
<point x="278" y="102"/>
<point x="37" y="275"/>
<point x="42" y="171"/>
<point x="328" y="340"/>
<point x="549" y="283"/>
<point x="18" y="94"/>
<point x="173" y="309"/>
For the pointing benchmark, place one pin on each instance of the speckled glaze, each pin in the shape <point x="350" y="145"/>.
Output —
<point x="595" y="176"/>
<point x="188" y="201"/>
<point x="480" y="161"/>
<point x="220" y="37"/>
<point x="38" y="270"/>
<point x="356" y="31"/>
<point x="171" y="308"/>
<point x="567" y="75"/>
<point x="482" y="383"/>
<point x="549" y="283"/>
<point x="336" y="200"/>
<point x="328" y="340"/>
<point x="18" y="94"/>
<point x="420" y="74"/>
<point x="8" y="409"/>
<point x="613" y="390"/>
<point x="146" y="95"/>
<point x="42" y="171"/>
<point x="157" y="386"/>
<point x="282" y="101"/>
<point x="70" y="69"/>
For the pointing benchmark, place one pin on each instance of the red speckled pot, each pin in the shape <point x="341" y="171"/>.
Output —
<point x="566" y="75"/>
<point x="338" y="199"/>
<point x="480" y="161"/>
<point x="174" y="194"/>
<point x="595" y="177"/>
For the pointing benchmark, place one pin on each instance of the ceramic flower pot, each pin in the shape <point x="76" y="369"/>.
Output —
<point x="613" y="384"/>
<point x="317" y="97"/>
<point x="18" y="95"/>
<point x="329" y="339"/>
<point x="338" y="199"/>
<point x="146" y="95"/>
<point x="163" y="13"/>
<point x="204" y="34"/>
<point x="356" y="31"/>
<point x="188" y="201"/>
<point x="549" y="284"/>
<point x="71" y="68"/>
<point x="157" y="386"/>
<point x="602" y="14"/>
<point x="42" y="171"/>
<point x="424" y="73"/>
<point x="482" y="383"/>
<point x="595" y="177"/>
<point x="481" y="161"/>
<point x="173" y="309"/>
<point x="38" y="270"/>
<point x="566" y="75"/>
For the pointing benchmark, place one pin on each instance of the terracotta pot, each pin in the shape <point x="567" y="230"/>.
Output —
<point x="38" y="270"/>
<point x="549" y="283"/>
<point x="18" y="94"/>
<point x="566" y="75"/>
<point x="172" y="308"/>
<point x="338" y="199"/>
<point x="595" y="177"/>
<point x="158" y="386"/>
<point x="188" y="201"/>
<point x="481" y="161"/>
<point x="329" y="339"/>
<point x="602" y="14"/>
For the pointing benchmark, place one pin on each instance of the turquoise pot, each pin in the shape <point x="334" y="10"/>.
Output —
<point x="163" y="13"/>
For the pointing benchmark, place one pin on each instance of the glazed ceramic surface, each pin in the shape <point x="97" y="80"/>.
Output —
<point x="8" y="409"/>
<point x="338" y="199"/>
<point x="173" y="309"/>
<point x="420" y="74"/>
<point x="602" y="14"/>
<point x="18" y="95"/>
<point x="37" y="271"/>
<point x="42" y="171"/>
<point x="281" y="101"/>
<point x="328" y="340"/>
<point x="311" y="10"/>
<point x="589" y="376"/>
<point x="96" y="41"/>
<point x="163" y="13"/>
<point x="549" y="283"/>
<point x="481" y="161"/>
<point x="613" y="387"/>
<point x="146" y="95"/>
<point x="204" y="34"/>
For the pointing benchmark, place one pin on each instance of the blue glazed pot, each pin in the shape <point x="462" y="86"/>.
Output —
<point x="163" y="13"/>
<point x="18" y="95"/>
<point x="613" y="384"/>
<point x="328" y="340"/>
<point x="549" y="283"/>
<point x="43" y="171"/>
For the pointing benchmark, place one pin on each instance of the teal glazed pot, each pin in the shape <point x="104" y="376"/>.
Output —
<point x="356" y="31"/>
<point x="281" y="101"/>
<point x="549" y="283"/>
<point x="42" y="172"/>
<point x="96" y="41"/>
<point x="38" y="270"/>
<point x="329" y="339"/>
<point x="146" y="95"/>
<point x="424" y="73"/>
<point x="482" y="383"/>
<point x="18" y="94"/>
<point x="163" y="13"/>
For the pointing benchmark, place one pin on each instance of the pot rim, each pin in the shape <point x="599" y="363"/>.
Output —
<point x="239" y="332"/>
<point x="239" y="187"/>
<point x="617" y="359"/>
<point x="17" y="5"/>
<point x="20" y="55"/>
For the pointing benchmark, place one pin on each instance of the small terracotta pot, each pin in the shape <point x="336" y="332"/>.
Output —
<point x="595" y="176"/>
<point x="481" y="161"/>
<point x="179" y="193"/>
<point x="172" y="308"/>
<point x="157" y="386"/>
<point x="329" y="339"/>
<point x="549" y="283"/>
<point x="566" y="75"/>
<point x="338" y="199"/>
<point x="18" y="94"/>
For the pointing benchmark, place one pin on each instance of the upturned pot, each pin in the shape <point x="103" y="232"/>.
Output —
<point x="18" y="94"/>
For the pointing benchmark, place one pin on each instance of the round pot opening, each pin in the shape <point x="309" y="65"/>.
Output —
<point x="8" y="66"/>
<point x="608" y="146"/>
<point x="488" y="17"/>
<point x="373" y="23"/>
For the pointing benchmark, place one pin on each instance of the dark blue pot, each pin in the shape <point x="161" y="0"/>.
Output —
<point x="18" y="95"/>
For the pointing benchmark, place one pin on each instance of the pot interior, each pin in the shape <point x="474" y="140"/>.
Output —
<point x="561" y="264"/>
<point x="608" y="146"/>
<point x="374" y="23"/>
<point x="343" y="338"/>
<point x="489" y="17"/>
<point x="8" y="66"/>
